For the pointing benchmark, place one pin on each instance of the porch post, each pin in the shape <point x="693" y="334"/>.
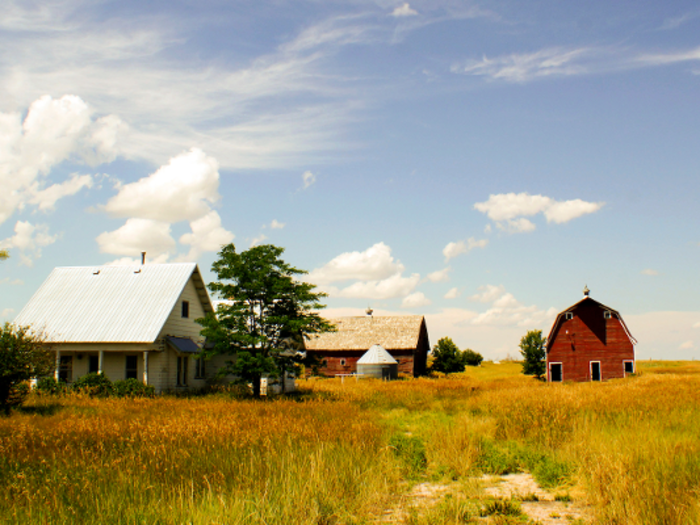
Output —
<point x="100" y="362"/>
<point x="145" y="368"/>
<point x="58" y="364"/>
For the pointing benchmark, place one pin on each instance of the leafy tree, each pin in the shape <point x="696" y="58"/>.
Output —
<point x="447" y="358"/>
<point x="23" y="355"/>
<point x="533" y="352"/>
<point x="265" y="315"/>
<point x="3" y="254"/>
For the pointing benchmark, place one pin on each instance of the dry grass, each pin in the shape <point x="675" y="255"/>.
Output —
<point x="629" y="447"/>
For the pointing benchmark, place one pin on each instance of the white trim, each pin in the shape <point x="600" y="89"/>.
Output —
<point x="634" y="367"/>
<point x="549" y="372"/>
<point x="590" y="370"/>
<point x="568" y="316"/>
<point x="607" y="314"/>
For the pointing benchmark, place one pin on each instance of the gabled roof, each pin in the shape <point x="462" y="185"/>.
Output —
<point x="376" y="356"/>
<point x="400" y="332"/>
<point x="587" y="300"/>
<point x="109" y="304"/>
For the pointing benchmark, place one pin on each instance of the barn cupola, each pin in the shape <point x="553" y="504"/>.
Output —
<point x="586" y="291"/>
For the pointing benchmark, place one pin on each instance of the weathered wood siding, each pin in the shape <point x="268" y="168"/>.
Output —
<point x="586" y="338"/>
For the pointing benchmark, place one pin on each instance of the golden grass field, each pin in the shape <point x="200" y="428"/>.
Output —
<point x="339" y="453"/>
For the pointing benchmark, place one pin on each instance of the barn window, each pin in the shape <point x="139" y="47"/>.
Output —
<point x="65" y="369"/>
<point x="185" y="309"/>
<point x="569" y="315"/>
<point x="342" y="362"/>
<point x="556" y="374"/>
<point x="132" y="363"/>
<point x="595" y="371"/>
<point x="199" y="370"/>
<point x="629" y="367"/>
<point x="182" y="366"/>
<point x="607" y="314"/>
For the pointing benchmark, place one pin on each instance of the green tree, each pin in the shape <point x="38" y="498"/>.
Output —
<point x="3" y="254"/>
<point x="23" y="355"/>
<point x="447" y="358"/>
<point x="265" y="314"/>
<point x="532" y="348"/>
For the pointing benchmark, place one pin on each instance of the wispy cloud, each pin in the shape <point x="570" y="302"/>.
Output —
<point x="404" y="10"/>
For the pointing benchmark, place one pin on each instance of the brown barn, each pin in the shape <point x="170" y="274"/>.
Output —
<point x="405" y="337"/>
<point x="589" y="342"/>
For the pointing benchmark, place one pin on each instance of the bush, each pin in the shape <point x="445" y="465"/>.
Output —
<point x="49" y="386"/>
<point x="132" y="388"/>
<point x="471" y="358"/>
<point x="94" y="384"/>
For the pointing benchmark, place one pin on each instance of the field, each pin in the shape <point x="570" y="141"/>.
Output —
<point x="351" y="452"/>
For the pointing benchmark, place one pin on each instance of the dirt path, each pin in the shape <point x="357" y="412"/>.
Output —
<point x="536" y="503"/>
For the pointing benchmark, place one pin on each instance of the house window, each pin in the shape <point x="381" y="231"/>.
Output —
<point x="199" y="369"/>
<point x="629" y="367"/>
<point x="185" y="309"/>
<point x="607" y="314"/>
<point x="65" y="369"/>
<point x="182" y="366"/>
<point x="556" y="374"/>
<point x="569" y="315"/>
<point x="595" y="370"/>
<point x="132" y="367"/>
<point x="93" y="364"/>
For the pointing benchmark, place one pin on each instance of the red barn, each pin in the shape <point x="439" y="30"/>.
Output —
<point x="405" y="337"/>
<point x="589" y="342"/>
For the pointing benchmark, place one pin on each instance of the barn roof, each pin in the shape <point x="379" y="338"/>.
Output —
<point x="109" y="304"/>
<point x="588" y="300"/>
<point x="400" y="332"/>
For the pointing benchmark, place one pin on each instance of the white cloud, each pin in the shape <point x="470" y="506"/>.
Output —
<point x="649" y="272"/>
<point x="389" y="288"/>
<point x="308" y="179"/>
<point x="506" y="310"/>
<point x="452" y="293"/>
<point x="257" y="240"/>
<point x="508" y="210"/>
<point x="53" y="131"/>
<point x="373" y="264"/>
<point x="276" y="225"/>
<point x="440" y="276"/>
<point x="46" y="199"/>
<point x="453" y="249"/>
<point x="687" y="345"/>
<point x="489" y="293"/>
<point x="404" y="10"/>
<point x="207" y="236"/>
<point x="13" y="282"/>
<point x="7" y="312"/>
<point x="136" y="236"/>
<point x="415" y="300"/>
<point x="29" y="239"/>
<point x="183" y="189"/>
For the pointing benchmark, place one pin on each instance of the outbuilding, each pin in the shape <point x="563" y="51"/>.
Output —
<point x="589" y="341"/>
<point x="378" y="363"/>
<point x="404" y="337"/>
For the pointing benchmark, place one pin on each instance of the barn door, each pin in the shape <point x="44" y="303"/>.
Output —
<point x="555" y="372"/>
<point x="595" y="370"/>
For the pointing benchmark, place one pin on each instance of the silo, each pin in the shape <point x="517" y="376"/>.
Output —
<point x="377" y="362"/>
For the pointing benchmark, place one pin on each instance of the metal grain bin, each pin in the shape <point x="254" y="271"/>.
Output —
<point x="377" y="362"/>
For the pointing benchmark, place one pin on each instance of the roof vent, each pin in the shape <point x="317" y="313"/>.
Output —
<point x="96" y="272"/>
<point x="143" y="258"/>
<point x="586" y="291"/>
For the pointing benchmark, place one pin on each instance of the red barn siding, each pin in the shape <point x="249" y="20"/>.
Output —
<point x="586" y="338"/>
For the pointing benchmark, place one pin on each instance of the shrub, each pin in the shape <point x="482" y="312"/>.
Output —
<point x="471" y="358"/>
<point x="94" y="384"/>
<point x="49" y="386"/>
<point x="132" y="388"/>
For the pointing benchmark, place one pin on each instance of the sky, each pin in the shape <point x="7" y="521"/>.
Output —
<point x="477" y="163"/>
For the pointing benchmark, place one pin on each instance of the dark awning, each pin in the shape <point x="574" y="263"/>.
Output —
<point x="182" y="344"/>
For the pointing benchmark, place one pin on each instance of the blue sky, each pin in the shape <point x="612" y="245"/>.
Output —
<point x="474" y="162"/>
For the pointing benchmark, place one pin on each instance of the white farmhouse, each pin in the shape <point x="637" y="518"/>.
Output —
<point x="125" y="321"/>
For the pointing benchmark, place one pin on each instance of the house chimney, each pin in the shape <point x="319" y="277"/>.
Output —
<point x="143" y="258"/>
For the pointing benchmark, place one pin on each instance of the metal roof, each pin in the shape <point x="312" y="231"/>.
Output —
<point x="377" y="356"/>
<point x="109" y="304"/>
<point x="183" y="345"/>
